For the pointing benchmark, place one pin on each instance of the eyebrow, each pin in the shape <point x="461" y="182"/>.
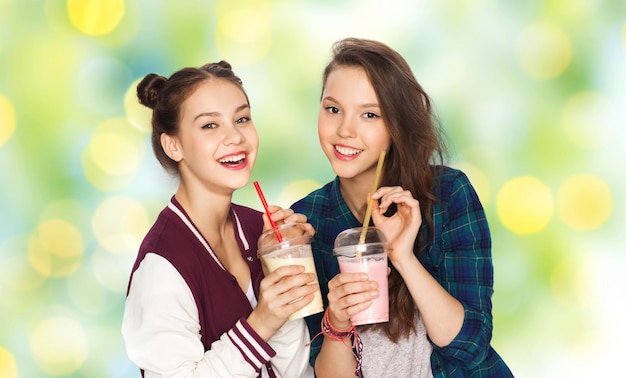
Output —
<point x="370" y="105"/>
<point x="215" y="114"/>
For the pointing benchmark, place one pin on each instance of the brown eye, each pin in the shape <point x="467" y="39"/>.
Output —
<point x="370" y="115"/>
<point x="242" y="120"/>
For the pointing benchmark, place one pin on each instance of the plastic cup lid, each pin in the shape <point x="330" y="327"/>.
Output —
<point x="348" y="239"/>
<point x="292" y="233"/>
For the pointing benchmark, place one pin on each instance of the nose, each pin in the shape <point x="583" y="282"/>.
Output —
<point x="346" y="128"/>
<point x="233" y="136"/>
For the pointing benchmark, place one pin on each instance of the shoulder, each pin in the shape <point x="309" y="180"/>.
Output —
<point x="456" y="195"/>
<point x="449" y="178"/>
<point x="162" y="230"/>
<point x="155" y="265"/>
<point x="171" y="233"/>
<point x="451" y="183"/>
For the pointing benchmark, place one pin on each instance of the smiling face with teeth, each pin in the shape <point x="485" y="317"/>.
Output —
<point x="217" y="143"/>
<point x="351" y="129"/>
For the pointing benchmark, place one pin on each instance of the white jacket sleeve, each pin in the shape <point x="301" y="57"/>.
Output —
<point x="292" y="353"/>
<point x="161" y="330"/>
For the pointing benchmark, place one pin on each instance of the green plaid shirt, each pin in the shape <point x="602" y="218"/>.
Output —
<point x="459" y="258"/>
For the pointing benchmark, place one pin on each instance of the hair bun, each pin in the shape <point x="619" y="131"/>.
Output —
<point x="149" y="88"/>
<point x="225" y="64"/>
<point x="221" y="64"/>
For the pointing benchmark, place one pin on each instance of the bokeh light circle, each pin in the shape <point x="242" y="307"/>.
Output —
<point x="120" y="224"/>
<point x="544" y="51"/>
<point x="56" y="249"/>
<point x="584" y="202"/>
<point x="525" y="205"/>
<point x="110" y="152"/>
<point x="113" y="154"/>
<point x="589" y="120"/>
<point x="71" y="210"/>
<point x="59" y="345"/>
<point x="138" y="115"/>
<point x="7" y="120"/>
<point x="8" y="366"/>
<point x="243" y="35"/>
<point x="95" y="17"/>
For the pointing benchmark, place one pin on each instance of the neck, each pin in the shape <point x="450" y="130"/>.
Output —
<point x="209" y="211"/>
<point x="354" y="193"/>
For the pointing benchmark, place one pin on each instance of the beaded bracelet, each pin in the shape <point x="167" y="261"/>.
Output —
<point x="341" y="335"/>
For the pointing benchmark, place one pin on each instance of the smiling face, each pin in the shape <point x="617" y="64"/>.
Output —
<point x="350" y="126"/>
<point x="217" y="143"/>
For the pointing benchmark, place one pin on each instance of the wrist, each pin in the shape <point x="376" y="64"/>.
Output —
<point x="336" y="325"/>
<point x="406" y="263"/>
<point x="349" y="334"/>
<point x="259" y="326"/>
<point x="340" y="334"/>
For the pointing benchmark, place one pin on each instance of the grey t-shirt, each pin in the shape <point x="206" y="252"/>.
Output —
<point x="408" y="358"/>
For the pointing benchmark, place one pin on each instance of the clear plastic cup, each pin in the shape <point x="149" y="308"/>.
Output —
<point x="369" y="257"/>
<point x="295" y="249"/>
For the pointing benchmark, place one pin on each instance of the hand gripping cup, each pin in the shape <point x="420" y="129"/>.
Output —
<point x="368" y="256"/>
<point x="294" y="249"/>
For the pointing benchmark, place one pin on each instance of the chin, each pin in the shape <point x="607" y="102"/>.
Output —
<point x="343" y="172"/>
<point x="241" y="183"/>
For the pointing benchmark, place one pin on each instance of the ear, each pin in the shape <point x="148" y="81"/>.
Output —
<point x="171" y="147"/>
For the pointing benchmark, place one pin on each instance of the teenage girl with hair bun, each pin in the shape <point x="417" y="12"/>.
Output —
<point x="198" y="304"/>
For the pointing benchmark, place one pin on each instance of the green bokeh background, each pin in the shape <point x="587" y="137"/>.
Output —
<point x="531" y="95"/>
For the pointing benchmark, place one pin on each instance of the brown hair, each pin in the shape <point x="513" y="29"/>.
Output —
<point x="416" y="148"/>
<point x="166" y="96"/>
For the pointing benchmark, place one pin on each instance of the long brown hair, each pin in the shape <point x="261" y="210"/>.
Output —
<point x="166" y="96"/>
<point x="416" y="149"/>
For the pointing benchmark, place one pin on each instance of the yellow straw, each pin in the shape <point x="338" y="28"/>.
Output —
<point x="370" y="203"/>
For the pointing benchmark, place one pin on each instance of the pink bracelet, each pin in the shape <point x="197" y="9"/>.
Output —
<point x="341" y="335"/>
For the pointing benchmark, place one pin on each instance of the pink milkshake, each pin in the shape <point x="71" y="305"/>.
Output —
<point x="369" y="257"/>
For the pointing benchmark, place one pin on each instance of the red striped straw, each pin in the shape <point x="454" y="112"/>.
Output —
<point x="267" y="211"/>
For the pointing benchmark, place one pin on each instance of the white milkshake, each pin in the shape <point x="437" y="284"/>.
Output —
<point x="296" y="255"/>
